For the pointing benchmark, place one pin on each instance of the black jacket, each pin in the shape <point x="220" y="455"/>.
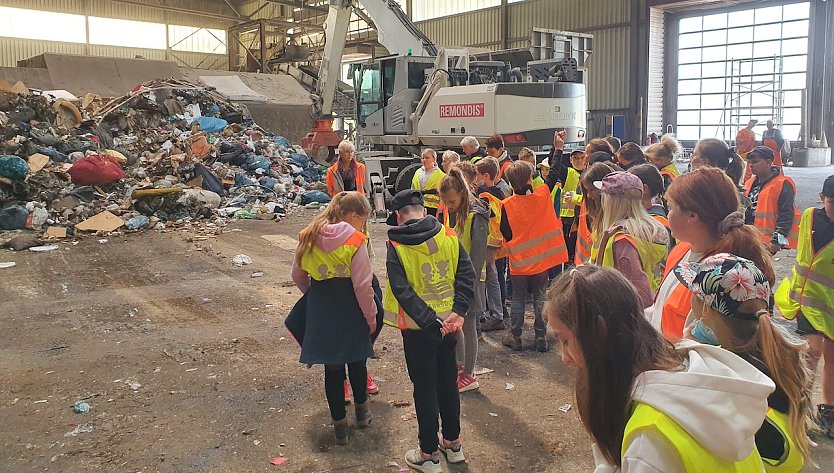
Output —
<point x="785" y="203"/>
<point x="477" y="156"/>
<point x="415" y="232"/>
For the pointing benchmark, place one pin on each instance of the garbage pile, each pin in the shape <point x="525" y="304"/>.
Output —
<point x="166" y="153"/>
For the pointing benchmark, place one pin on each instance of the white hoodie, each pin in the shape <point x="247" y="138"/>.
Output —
<point x="718" y="398"/>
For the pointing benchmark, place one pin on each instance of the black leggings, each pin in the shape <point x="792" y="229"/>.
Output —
<point x="334" y="378"/>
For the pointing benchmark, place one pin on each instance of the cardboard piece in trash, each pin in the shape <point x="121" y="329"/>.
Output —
<point x="103" y="222"/>
<point x="36" y="162"/>
<point x="55" y="232"/>
<point x="16" y="88"/>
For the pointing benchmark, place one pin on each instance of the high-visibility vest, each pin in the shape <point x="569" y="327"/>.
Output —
<point x="678" y="305"/>
<point x="693" y="456"/>
<point x="431" y="199"/>
<point x="571" y="185"/>
<point x="465" y="236"/>
<point x="430" y="269"/>
<point x="321" y="265"/>
<point x="767" y="209"/>
<point x="792" y="460"/>
<point x="502" y="166"/>
<point x="494" y="240"/>
<point x="811" y="286"/>
<point x="584" y="241"/>
<point x="670" y="170"/>
<point x="537" y="181"/>
<point x="538" y="243"/>
<point x="332" y="171"/>
<point x="652" y="256"/>
<point x="771" y="143"/>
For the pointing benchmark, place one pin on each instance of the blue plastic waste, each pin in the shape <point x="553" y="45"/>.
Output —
<point x="211" y="124"/>
<point x="53" y="154"/>
<point x="212" y="110"/>
<point x="13" y="217"/>
<point x="81" y="407"/>
<point x="311" y="174"/>
<point x="254" y="162"/>
<point x="242" y="180"/>
<point x="14" y="167"/>
<point x="137" y="223"/>
<point x="314" y="196"/>
<point x="300" y="160"/>
<point x="269" y="182"/>
<point x="281" y="141"/>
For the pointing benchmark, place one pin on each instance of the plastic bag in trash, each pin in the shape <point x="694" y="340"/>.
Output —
<point x="311" y="174"/>
<point x="210" y="181"/>
<point x="314" y="196"/>
<point x="13" y="217"/>
<point x="300" y="160"/>
<point x="96" y="170"/>
<point x="233" y="153"/>
<point x="281" y="141"/>
<point x="242" y="180"/>
<point x="268" y="182"/>
<point x="14" y="167"/>
<point x="254" y="162"/>
<point x="211" y="124"/>
<point x="53" y="154"/>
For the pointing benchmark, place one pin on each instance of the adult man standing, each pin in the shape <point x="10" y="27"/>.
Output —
<point x="772" y="138"/>
<point x="745" y="143"/>
<point x="346" y="174"/>
<point x="472" y="149"/>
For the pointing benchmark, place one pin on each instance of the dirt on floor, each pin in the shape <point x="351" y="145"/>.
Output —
<point x="186" y="364"/>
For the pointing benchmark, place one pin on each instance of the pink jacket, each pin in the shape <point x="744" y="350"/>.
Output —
<point x="361" y="274"/>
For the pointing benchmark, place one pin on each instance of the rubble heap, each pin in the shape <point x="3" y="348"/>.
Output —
<point x="166" y="153"/>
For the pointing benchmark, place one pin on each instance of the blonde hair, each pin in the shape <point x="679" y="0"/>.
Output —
<point x="342" y="204"/>
<point x="450" y="158"/>
<point x="527" y="152"/>
<point x="455" y="181"/>
<point x="345" y="146"/>
<point x="786" y="363"/>
<point x="668" y="148"/>
<point x="630" y="214"/>
<point x="469" y="170"/>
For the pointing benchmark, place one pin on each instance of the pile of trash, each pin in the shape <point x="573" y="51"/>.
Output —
<point x="166" y="153"/>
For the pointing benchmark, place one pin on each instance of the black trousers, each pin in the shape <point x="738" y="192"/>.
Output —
<point x="334" y="379"/>
<point x="570" y="238"/>
<point x="504" y="284"/>
<point x="430" y="359"/>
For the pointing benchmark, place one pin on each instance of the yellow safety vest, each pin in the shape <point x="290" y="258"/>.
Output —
<point x="810" y="287"/>
<point x="494" y="240"/>
<point x="693" y="456"/>
<point x="430" y="269"/>
<point x="321" y="265"/>
<point x="571" y="184"/>
<point x="652" y="256"/>
<point x="431" y="199"/>
<point x="537" y="181"/>
<point x="670" y="170"/>
<point x="791" y="461"/>
<point x="466" y="236"/>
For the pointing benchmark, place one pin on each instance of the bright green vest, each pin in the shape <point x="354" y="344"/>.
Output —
<point x="652" y="256"/>
<point x="811" y="287"/>
<point x="431" y="199"/>
<point x="693" y="456"/>
<point x="430" y="269"/>
<point x="537" y="181"/>
<point x="321" y="265"/>
<point x="466" y="236"/>
<point x="791" y="461"/>
<point x="571" y="184"/>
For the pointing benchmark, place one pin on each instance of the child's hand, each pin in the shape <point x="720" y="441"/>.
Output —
<point x="559" y="139"/>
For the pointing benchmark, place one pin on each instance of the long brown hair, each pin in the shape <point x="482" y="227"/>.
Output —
<point x="601" y="307"/>
<point x="710" y="194"/>
<point x="455" y="182"/>
<point x="720" y="155"/>
<point x="593" y="205"/>
<point x="342" y="204"/>
<point x="786" y="363"/>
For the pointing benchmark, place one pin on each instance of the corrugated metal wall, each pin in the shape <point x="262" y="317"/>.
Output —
<point x="657" y="33"/>
<point x="479" y="28"/>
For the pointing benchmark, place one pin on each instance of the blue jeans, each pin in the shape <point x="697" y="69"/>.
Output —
<point x="535" y="284"/>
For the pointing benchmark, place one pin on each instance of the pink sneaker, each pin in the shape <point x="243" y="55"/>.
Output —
<point x="372" y="386"/>
<point x="467" y="383"/>
<point x="348" y="393"/>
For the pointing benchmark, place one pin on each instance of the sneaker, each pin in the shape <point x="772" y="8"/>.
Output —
<point x="492" y="325"/>
<point x="340" y="432"/>
<point x="452" y="450"/>
<point x="348" y="393"/>
<point x="419" y="461"/>
<point x="467" y="383"/>
<point x="512" y="342"/>
<point x="542" y="345"/>
<point x="825" y="419"/>
<point x="363" y="415"/>
<point x="372" y="386"/>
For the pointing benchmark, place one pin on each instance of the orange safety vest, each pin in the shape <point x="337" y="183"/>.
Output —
<point x="583" y="237"/>
<point x="330" y="179"/>
<point x="678" y="305"/>
<point x="538" y="243"/>
<point x="495" y="239"/>
<point x="671" y="171"/>
<point x="777" y="150"/>
<point x="503" y="167"/>
<point x="767" y="209"/>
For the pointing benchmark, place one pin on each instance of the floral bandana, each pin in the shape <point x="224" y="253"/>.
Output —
<point x="724" y="282"/>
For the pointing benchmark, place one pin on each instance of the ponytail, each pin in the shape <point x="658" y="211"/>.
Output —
<point x="735" y="169"/>
<point x="743" y="240"/>
<point x="455" y="181"/>
<point x="342" y="204"/>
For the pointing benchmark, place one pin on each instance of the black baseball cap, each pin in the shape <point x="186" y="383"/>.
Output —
<point x="762" y="151"/>
<point x="828" y="186"/>
<point x="403" y="199"/>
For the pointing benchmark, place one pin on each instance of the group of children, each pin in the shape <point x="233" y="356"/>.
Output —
<point x="661" y="298"/>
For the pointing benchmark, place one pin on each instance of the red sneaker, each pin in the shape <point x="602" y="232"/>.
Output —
<point x="372" y="387"/>
<point x="467" y="383"/>
<point x="348" y="393"/>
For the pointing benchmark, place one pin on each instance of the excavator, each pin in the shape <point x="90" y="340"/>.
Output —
<point x="424" y="96"/>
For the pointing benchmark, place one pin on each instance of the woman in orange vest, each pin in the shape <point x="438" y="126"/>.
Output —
<point x="590" y="212"/>
<point x="346" y="174"/>
<point x="704" y="218"/>
<point x="772" y="195"/>
<point x="534" y="242"/>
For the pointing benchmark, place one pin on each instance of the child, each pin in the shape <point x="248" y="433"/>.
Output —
<point x="663" y="155"/>
<point x="527" y="155"/>
<point x="495" y="148"/>
<point x="631" y="242"/>
<point x="333" y="270"/>
<point x="808" y="296"/>
<point x="651" y="406"/>
<point x="469" y="217"/>
<point x="427" y="179"/>
<point x="430" y="280"/>
<point x="730" y="299"/>
<point x="772" y="195"/>
<point x="487" y="172"/>
<point x="533" y="238"/>
<point x="590" y="213"/>
<point x="653" y="194"/>
<point x="572" y="198"/>
<point x="630" y="155"/>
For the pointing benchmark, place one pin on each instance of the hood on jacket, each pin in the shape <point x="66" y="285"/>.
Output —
<point x="718" y="398"/>
<point x="334" y="235"/>
<point x="415" y="232"/>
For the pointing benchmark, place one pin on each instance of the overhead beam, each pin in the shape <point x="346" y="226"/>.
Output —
<point x="298" y="4"/>
<point x="218" y="16"/>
